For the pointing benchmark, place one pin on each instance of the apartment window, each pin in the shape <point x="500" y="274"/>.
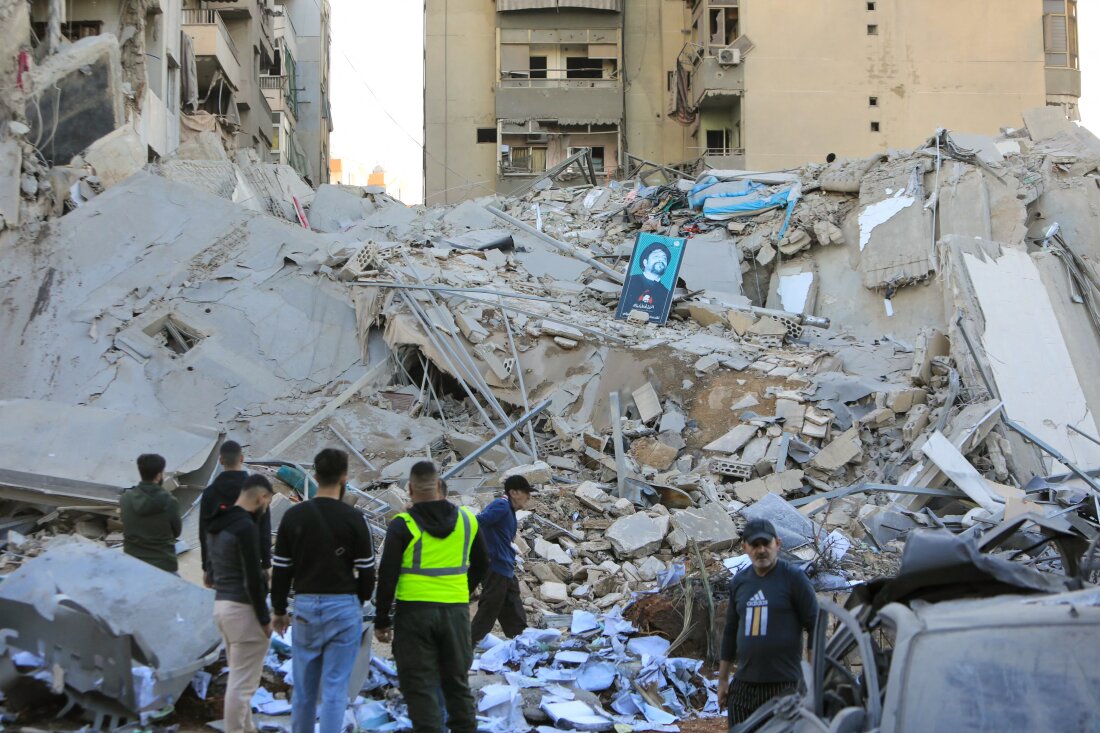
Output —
<point x="872" y="30"/>
<point x="486" y="134"/>
<point x="722" y="26"/>
<point x="1060" y="33"/>
<point x="874" y="127"/>
<point x="597" y="156"/>
<point x="870" y="6"/>
<point x="538" y="67"/>
<point x="872" y="101"/>
<point x="582" y="67"/>
<point x="718" y="141"/>
<point x="526" y="159"/>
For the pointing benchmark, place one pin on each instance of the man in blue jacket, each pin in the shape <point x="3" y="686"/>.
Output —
<point x="500" y="589"/>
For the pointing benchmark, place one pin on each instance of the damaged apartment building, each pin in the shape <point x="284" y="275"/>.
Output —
<point x="514" y="87"/>
<point x="254" y="73"/>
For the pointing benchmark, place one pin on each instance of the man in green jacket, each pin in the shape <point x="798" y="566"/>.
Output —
<point x="151" y="517"/>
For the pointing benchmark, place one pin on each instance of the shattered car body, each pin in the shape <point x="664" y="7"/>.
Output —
<point x="957" y="641"/>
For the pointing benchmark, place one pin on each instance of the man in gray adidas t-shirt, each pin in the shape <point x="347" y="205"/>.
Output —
<point x="771" y="604"/>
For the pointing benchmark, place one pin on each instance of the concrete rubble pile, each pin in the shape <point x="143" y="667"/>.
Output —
<point x="856" y="351"/>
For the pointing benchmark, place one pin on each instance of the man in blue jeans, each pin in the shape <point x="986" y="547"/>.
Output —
<point x="325" y="552"/>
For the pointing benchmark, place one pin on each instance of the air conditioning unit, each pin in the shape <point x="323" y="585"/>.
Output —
<point x="729" y="57"/>
<point x="538" y="137"/>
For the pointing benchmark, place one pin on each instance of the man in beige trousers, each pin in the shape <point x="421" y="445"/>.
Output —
<point x="240" y="601"/>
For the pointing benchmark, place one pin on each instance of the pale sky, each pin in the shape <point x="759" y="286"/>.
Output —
<point x="377" y="45"/>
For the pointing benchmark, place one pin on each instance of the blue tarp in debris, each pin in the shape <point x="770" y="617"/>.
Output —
<point x="711" y="187"/>
<point x="727" y="208"/>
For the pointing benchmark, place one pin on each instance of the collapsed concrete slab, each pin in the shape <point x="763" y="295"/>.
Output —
<point x="126" y="637"/>
<point x="637" y="535"/>
<point x="710" y="526"/>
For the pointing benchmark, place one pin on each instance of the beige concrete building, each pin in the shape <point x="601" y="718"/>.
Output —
<point x="512" y="87"/>
<point x="312" y="22"/>
<point x="280" y="87"/>
<point x="151" y="57"/>
<point x="234" y="46"/>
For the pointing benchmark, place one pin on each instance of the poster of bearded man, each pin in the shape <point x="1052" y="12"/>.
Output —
<point x="651" y="277"/>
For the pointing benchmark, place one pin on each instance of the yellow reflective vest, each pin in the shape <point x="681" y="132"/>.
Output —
<point x="434" y="569"/>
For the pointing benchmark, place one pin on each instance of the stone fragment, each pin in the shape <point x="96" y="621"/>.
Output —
<point x="554" y="592"/>
<point x="647" y="402"/>
<point x="776" y="483"/>
<point x="707" y="364"/>
<point x="672" y="422"/>
<point x="677" y="540"/>
<point x="845" y="448"/>
<point x="648" y="568"/>
<point x="551" y="551"/>
<point x="535" y="473"/>
<point x="553" y="328"/>
<point x="745" y="403"/>
<point x="793" y="414"/>
<point x="622" y="507"/>
<point x="638" y="316"/>
<point x="567" y="344"/>
<point x="740" y="321"/>
<point x="474" y="332"/>
<point x="591" y="495"/>
<point x="652" y="452"/>
<point x="917" y="420"/>
<point x="709" y="525"/>
<point x="768" y="326"/>
<point x="732" y="441"/>
<point x="705" y="314"/>
<point x="637" y="535"/>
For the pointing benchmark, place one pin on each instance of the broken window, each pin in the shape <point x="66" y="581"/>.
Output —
<point x="486" y="134"/>
<point x="722" y="26"/>
<point x="870" y="6"/>
<point x="582" y="67"/>
<point x="173" y="334"/>
<point x="538" y="67"/>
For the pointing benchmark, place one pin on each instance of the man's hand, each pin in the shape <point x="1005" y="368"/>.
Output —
<point x="385" y="636"/>
<point x="281" y="623"/>
<point x="723" y="692"/>
<point x="267" y="630"/>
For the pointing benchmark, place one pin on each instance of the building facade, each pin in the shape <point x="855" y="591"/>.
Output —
<point x="513" y="87"/>
<point x="151" y="57"/>
<point x="311" y="19"/>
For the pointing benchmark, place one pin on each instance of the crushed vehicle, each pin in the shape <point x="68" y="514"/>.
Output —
<point x="959" y="640"/>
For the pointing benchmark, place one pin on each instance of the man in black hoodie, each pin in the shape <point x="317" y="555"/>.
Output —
<point x="240" y="600"/>
<point x="432" y="558"/>
<point x="151" y="517"/>
<point x="220" y="495"/>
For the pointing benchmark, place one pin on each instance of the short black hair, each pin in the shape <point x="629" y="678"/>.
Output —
<point x="150" y="465"/>
<point x="517" y="483"/>
<point x="330" y="465"/>
<point x="422" y="476"/>
<point x="830" y="157"/>
<point x="230" y="449"/>
<point x="443" y="488"/>
<point x="653" y="247"/>
<point x="257" y="480"/>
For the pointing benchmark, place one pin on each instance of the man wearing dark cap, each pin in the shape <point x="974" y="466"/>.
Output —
<point x="771" y="604"/>
<point x="222" y="494"/>
<point x="500" y="599"/>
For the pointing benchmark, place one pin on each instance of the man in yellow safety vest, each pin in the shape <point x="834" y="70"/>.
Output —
<point x="432" y="558"/>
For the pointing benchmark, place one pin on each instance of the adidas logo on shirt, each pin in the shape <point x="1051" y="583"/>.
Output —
<point x="756" y="615"/>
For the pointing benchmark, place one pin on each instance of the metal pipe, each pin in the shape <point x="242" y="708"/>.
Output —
<point x="445" y="289"/>
<point x="1052" y="451"/>
<point x="527" y="417"/>
<point x="350" y="447"/>
<point x="519" y="373"/>
<point x="571" y="251"/>
<point x="459" y="350"/>
<point x="551" y="316"/>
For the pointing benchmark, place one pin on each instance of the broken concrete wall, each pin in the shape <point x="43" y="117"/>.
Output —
<point x="75" y="97"/>
<point x="15" y="33"/>
<point x="1008" y="311"/>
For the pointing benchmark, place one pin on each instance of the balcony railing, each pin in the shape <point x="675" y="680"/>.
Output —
<point x="554" y="79"/>
<point x="212" y="17"/>
<point x="282" y="84"/>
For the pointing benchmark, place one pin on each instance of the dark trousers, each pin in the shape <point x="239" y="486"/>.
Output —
<point x="432" y="650"/>
<point x="499" y="601"/>
<point x="745" y="697"/>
